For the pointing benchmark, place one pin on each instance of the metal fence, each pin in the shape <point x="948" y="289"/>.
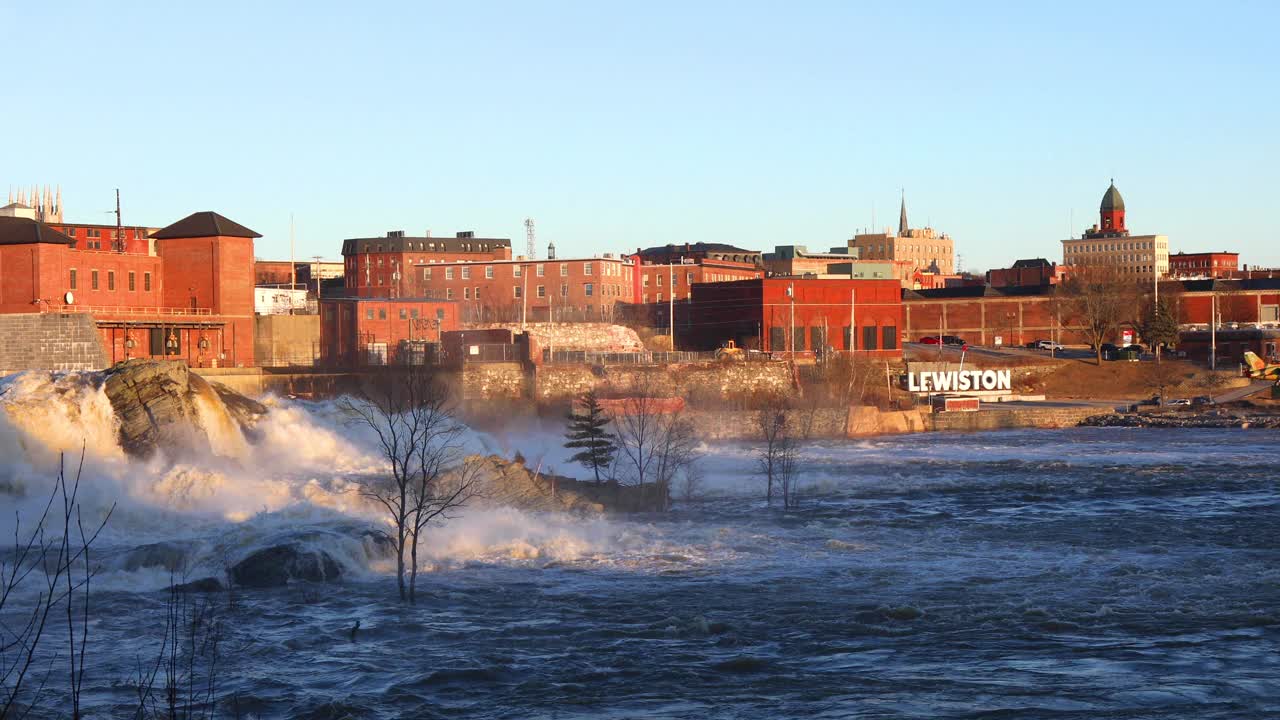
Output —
<point x="589" y="357"/>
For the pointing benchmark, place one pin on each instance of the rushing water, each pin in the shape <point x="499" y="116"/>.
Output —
<point x="1089" y="573"/>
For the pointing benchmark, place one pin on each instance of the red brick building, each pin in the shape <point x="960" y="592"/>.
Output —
<point x="382" y="331"/>
<point x="190" y="299"/>
<point x="379" y="267"/>
<point x="1204" y="265"/>
<point x="988" y="316"/>
<point x="804" y="315"/>
<point x="510" y="290"/>
<point x="658" y="283"/>
<point x="1033" y="272"/>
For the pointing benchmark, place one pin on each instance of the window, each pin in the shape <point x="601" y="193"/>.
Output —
<point x="488" y="272"/>
<point x="146" y="282"/>
<point x="466" y="293"/>
<point x="476" y="294"/>
<point x="448" y="294"/>
<point x="517" y="290"/>
<point x="542" y="270"/>
<point x="542" y="291"/>
<point x="658" y="279"/>
<point x="688" y="278"/>
<point x="588" y="288"/>
<point x="382" y="313"/>
<point x="111" y="279"/>
<point x="515" y="270"/>
<point x="413" y="313"/>
<point x="777" y="339"/>
<point x="426" y="273"/>
<point x="93" y="233"/>
<point x="93" y="279"/>
<point x="368" y="313"/>
<point x="564" y="290"/>
<point x="466" y="273"/>
<point x="132" y="279"/>
<point x="889" y="337"/>
<point x="646" y="281"/>
<point x="448" y="273"/>
<point x="869" y="337"/>
<point x="817" y="338"/>
<point x="73" y="279"/>
<point x="657" y="297"/>
<point x="847" y="338"/>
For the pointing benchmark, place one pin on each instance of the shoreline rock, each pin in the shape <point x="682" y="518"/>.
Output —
<point x="1164" y="420"/>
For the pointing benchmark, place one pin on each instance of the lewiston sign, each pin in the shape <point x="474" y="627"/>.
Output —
<point x="959" y="381"/>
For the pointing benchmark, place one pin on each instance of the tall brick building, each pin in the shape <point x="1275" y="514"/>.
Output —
<point x="512" y="290"/>
<point x="191" y="298"/>
<point x="380" y="267"/>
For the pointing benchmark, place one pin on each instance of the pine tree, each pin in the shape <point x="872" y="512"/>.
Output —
<point x="1160" y="328"/>
<point x="587" y="434"/>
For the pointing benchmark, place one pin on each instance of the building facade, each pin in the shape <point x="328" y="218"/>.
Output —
<point x="1032" y="272"/>
<point x="568" y="289"/>
<point x="1204" y="265"/>
<point x="657" y="283"/>
<point x="356" y="332"/>
<point x="922" y="249"/>
<point x="1108" y="244"/>
<point x="675" y="254"/>
<point x="795" y="315"/>
<point x="379" y="267"/>
<point x="190" y="299"/>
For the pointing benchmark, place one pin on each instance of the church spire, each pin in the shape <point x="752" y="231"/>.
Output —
<point x="902" y="216"/>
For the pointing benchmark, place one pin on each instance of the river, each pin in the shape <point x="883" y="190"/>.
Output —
<point x="1086" y="573"/>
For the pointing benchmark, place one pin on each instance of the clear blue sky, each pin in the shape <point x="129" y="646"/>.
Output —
<point x="617" y="126"/>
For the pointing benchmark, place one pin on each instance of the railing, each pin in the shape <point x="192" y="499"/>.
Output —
<point x="133" y="311"/>
<point x="589" y="357"/>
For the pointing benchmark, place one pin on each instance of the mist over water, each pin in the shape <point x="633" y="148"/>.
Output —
<point x="1079" y="573"/>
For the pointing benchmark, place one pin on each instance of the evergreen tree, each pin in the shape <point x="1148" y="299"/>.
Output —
<point x="1160" y="328"/>
<point x="587" y="434"/>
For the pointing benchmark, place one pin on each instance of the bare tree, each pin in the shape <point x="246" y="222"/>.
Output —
<point x="1097" y="299"/>
<point x="777" y="456"/>
<point x="186" y="666"/>
<point x="62" y="554"/>
<point x="656" y="444"/>
<point x="413" y="416"/>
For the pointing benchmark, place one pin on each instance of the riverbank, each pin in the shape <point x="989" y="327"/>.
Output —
<point x="1215" y="419"/>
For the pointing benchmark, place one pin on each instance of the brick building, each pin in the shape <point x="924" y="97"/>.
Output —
<point x="565" y="289"/>
<point x="673" y="254"/>
<point x="988" y="316"/>
<point x="355" y="332"/>
<point x="923" y="249"/>
<point x="657" y="283"/>
<point x="1109" y="244"/>
<point x="190" y="298"/>
<point x="378" y="267"/>
<point x="1024" y="273"/>
<point x="1204" y="265"/>
<point x="804" y="315"/>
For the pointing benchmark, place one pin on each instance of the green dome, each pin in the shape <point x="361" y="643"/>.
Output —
<point x="1111" y="200"/>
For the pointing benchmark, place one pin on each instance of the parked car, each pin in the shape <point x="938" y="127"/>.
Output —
<point x="1179" y="401"/>
<point x="953" y="340"/>
<point x="1048" y="345"/>
<point x="1201" y="401"/>
<point x="1134" y="348"/>
<point x="931" y="340"/>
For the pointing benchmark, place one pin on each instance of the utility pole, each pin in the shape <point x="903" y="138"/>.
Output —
<point x="671" y="305"/>
<point x="1213" y="329"/>
<point x="853" y="326"/>
<point x="293" y="265"/>
<point x="524" y="296"/>
<point x="118" y="245"/>
<point x="791" y="330"/>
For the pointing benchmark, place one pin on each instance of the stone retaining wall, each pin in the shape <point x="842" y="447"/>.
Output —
<point x="602" y="337"/>
<point x="38" y="341"/>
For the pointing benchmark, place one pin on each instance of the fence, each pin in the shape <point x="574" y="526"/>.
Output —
<point x="589" y="357"/>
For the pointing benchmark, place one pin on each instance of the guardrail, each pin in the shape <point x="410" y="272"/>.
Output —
<point x="132" y="311"/>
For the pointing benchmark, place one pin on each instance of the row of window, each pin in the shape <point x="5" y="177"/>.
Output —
<point x="73" y="280"/>
<point x="1119" y="246"/>
<point x="884" y="337"/>
<point x="464" y="271"/>
<point x="405" y="313"/>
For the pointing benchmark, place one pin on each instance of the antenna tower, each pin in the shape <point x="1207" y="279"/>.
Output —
<point x="528" y="233"/>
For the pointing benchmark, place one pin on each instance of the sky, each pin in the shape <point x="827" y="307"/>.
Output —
<point x="621" y="125"/>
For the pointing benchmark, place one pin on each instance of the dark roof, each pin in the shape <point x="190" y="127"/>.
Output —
<point x="695" y="247"/>
<point x="25" y="231"/>
<point x="1111" y="199"/>
<point x="400" y="243"/>
<point x="976" y="291"/>
<point x="1033" y="263"/>
<point x="204" y="224"/>
<point x="1227" y="285"/>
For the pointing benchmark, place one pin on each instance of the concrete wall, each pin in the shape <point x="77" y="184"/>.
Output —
<point x="35" y="341"/>
<point x="286" y="339"/>
<point x="714" y="380"/>
<point x="574" y="336"/>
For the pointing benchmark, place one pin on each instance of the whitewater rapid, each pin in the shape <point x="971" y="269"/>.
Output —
<point x="1074" y="573"/>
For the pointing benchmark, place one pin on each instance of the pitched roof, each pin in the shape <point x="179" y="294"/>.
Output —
<point x="204" y="224"/>
<point x="25" y="231"/>
<point x="1033" y="263"/>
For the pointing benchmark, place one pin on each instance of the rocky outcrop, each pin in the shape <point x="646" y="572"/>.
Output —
<point x="510" y="483"/>
<point x="162" y="404"/>
<point x="279" y="565"/>
<point x="1183" y="420"/>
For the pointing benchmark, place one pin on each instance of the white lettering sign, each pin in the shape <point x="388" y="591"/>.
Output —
<point x="959" y="381"/>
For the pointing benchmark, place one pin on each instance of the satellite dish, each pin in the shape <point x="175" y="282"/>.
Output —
<point x="69" y="297"/>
